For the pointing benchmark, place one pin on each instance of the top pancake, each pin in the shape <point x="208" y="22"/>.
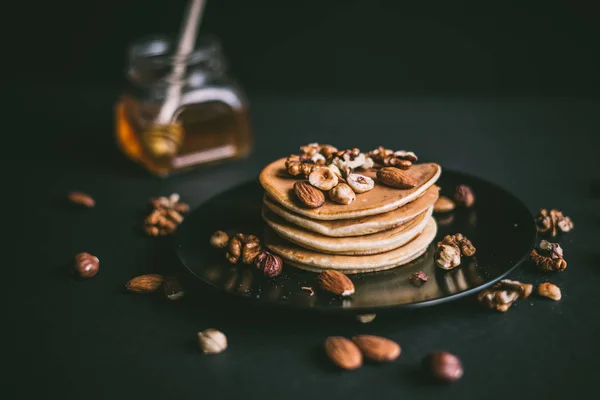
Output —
<point x="279" y="185"/>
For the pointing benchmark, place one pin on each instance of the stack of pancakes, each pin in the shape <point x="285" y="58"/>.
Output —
<point x="383" y="228"/>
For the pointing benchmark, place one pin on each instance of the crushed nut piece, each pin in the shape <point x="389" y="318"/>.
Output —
<point x="349" y="160"/>
<point x="553" y="222"/>
<point x="310" y="290"/>
<point x="463" y="196"/>
<point x="549" y="290"/>
<point x="165" y="216"/>
<point x="418" y="278"/>
<point x="503" y="294"/>
<point x="388" y="158"/>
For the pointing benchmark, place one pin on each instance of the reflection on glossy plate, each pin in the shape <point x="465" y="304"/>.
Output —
<point x="499" y="225"/>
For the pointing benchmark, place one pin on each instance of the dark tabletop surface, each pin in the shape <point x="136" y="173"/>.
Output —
<point x="92" y="340"/>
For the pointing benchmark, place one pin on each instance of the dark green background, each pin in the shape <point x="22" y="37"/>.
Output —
<point x="331" y="46"/>
<point x="503" y="90"/>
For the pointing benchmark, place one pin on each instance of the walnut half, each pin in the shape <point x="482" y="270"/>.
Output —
<point x="243" y="246"/>
<point x="450" y="249"/>
<point x="389" y="158"/>
<point x="504" y="294"/>
<point x="312" y="156"/>
<point x="553" y="222"/>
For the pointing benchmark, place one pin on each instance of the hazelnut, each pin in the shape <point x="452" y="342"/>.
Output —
<point x="323" y="178"/>
<point x="464" y="196"/>
<point x="270" y="264"/>
<point x="212" y="341"/>
<point x="219" y="239"/>
<point x="335" y="169"/>
<point x="447" y="256"/>
<point x="342" y="194"/>
<point x="86" y="265"/>
<point x="360" y="183"/>
<point x="443" y="366"/>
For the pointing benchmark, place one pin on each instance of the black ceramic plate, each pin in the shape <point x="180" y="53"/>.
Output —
<point x="499" y="225"/>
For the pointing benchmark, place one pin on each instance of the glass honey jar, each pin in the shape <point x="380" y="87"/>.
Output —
<point x="211" y="122"/>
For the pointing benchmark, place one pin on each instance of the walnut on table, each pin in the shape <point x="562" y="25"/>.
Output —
<point x="504" y="294"/>
<point x="548" y="257"/>
<point x="166" y="215"/>
<point x="553" y="222"/>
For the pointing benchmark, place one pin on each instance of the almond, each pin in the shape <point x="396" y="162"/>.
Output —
<point x="145" y="283"/>
<point x="308" y="194"/>
<point x="335" y="282"/>
<point x="377" y="348"/>
<point x="396" y="178"/>
<point x="343" y="352"/>
<point x="81" y="199"/>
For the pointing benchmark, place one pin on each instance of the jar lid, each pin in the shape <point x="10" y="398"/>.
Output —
<point x="157" y="51"/>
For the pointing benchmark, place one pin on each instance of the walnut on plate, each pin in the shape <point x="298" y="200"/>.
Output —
<point x="243" y="246"/>
<point x="389" y="158"/>
<point x="312" y="156"/>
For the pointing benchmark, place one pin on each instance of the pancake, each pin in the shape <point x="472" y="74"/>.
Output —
<point x="314" y="261"/>
<point x="279" y="185"/>
<point x="362" y="225"/>
<point x="369" y="244"/>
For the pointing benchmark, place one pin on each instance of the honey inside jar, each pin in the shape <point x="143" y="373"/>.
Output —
<point x="211" y="124"/>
